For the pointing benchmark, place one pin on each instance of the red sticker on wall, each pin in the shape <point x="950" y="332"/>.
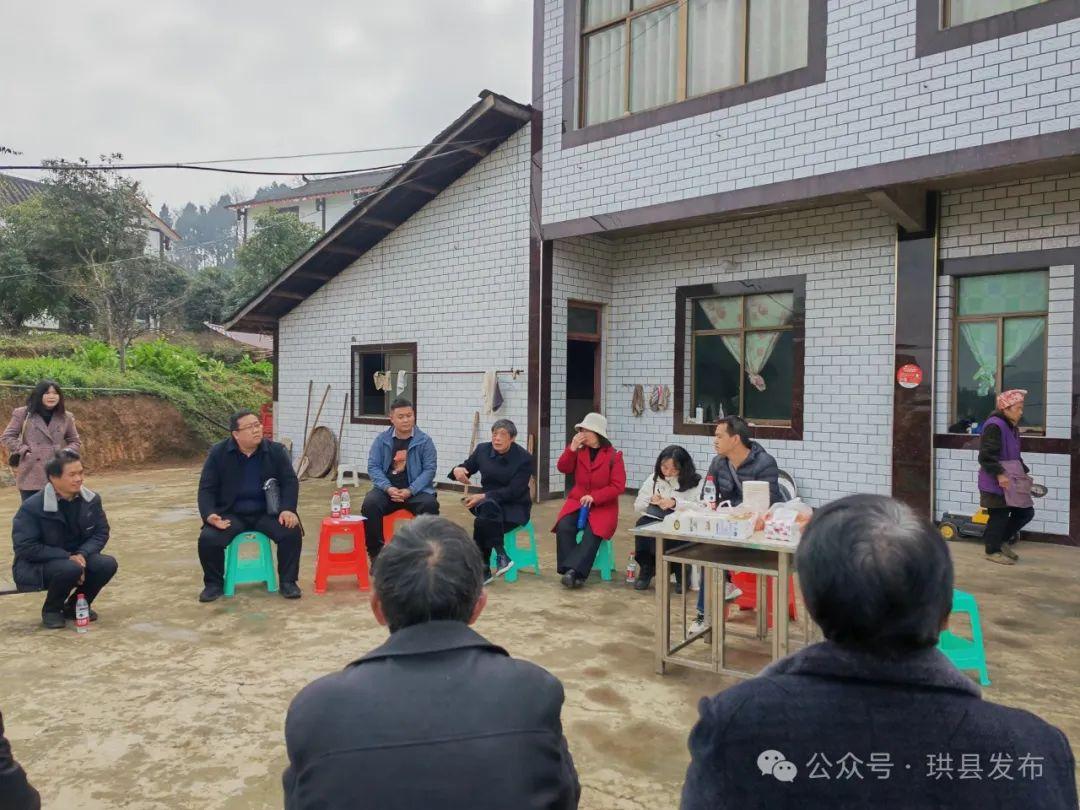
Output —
<point x="909" y="376"/>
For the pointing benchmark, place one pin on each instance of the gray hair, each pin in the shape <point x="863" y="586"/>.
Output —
<point x="430" y="572"/>
<point x="507" y="425"/>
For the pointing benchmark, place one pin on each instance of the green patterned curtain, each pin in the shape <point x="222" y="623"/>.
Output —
<point x="981" y="338"/>
<point x="1004" y="293"/>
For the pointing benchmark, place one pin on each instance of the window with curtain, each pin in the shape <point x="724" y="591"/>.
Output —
<point x="641" y="54"/>
<point x="370" y="401"/>
<point x="742" y="357"/>
<point x="958" y="12"/>
<point x="1000" y="343"/>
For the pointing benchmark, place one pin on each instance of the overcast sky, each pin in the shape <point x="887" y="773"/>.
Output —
<point x="201" y="79"/>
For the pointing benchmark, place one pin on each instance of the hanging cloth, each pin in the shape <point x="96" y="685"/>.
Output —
<point x="658" y="398"/>
<point x="637" y="401"/>
<point x="381" y="380"/>
<point x="400" y="383"/>
<point x="491" y="393"/>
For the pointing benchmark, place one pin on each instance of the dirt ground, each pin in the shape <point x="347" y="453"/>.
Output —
<point x="167" y="703"/>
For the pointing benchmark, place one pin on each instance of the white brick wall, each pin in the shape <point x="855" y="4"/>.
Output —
<point x="879" y="103"/>
<point x="454" y="279"/>
<point x="847" y="254"/>
<point x="1038" y="214"/>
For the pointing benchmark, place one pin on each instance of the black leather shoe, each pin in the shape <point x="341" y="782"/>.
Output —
<point x="643" y="582"/>
<point x="570" y="579"/>
<point x="53" y="619"/>
<point x="211" y="593"/>
<point x="69" y="612"/>
<point x="290" y="590"/>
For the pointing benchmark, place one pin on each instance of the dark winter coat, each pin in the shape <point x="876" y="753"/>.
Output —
<point x="437" y="717"/>
<point x="758" y="466"/>
<point x="39" y="443"/>
<point x="39" y="534"/>
<point x="15" y="791"/>
<point x="909" y="722"/>
<point x="504" y="480"/>
<point x="222" y="477"/>
<point x="992" y="451"/>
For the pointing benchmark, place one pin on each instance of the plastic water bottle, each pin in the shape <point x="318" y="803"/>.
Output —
<point x="708" y="492"/>
<point x="582" y="518"/>
<point x="346" y="503"/>
<point x="335" y="504"/>
<point x="82" y="615"/>
<point x="631" y="571"/>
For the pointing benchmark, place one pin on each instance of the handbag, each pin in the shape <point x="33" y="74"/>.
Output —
<point x="15" y="458"/>
<point x="273" y="496"/>
<point x="1018" y="493"/>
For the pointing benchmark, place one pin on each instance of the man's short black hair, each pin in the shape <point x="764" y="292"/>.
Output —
<point x="737" y="426"/>
<point x="875" y="575"/>
<point x="234" y="420"/>
<point x="400" y="402"/>
<point x="54" y="467"/>
<point x="430" y="572"/>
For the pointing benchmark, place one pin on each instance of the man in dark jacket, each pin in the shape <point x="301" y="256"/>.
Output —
<point x="401" y="465"/>
<point x="504" y="502"/>
<point x="875" y="716"/>
<point x="16" y="792"/>
<point x="248" y="484"/>
<point x="437" y="716"/>
<point x="58" y="535"/>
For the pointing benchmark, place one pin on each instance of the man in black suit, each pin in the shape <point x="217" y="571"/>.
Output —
<point x="437" y="716"/>
<point x="248" y="484"/>
<point x="58" y="535"/>
<point x="875" y="715"/>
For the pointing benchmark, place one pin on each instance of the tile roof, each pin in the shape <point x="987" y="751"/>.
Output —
<point x="361" y="181"/>
<point x="14" y="190"/>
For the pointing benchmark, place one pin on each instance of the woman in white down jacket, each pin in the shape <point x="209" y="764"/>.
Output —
<point x="674" y="481"/>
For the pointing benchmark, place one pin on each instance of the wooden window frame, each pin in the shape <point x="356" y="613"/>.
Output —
<point x="999" y="371"/>
<point x="576" y="132"/>
<point x="684" y="334"/>
<point x="932" y="35"/>
<point x="590" y="337"/>
<point x="384" y="349"/>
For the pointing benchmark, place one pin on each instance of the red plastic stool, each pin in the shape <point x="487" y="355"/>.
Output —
<point x="389" y="520"/>
<point x="748" y="600"/>
<point x="347" y="563"/>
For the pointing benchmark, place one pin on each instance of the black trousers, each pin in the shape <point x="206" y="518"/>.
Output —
<point x="26" y="493"/>
<point x="645" y="547"/>
<point x="488" y="535"/>
<point x="213" y="542"/>
<point x="1003" y="525"/>
<point x="377" y="505"/>
<point x="571" y="554"/>
<point x="62" y="579"/>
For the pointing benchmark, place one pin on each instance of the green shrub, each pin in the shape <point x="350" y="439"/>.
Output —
<point x="166" y="362"/>
<point x="262" y="369"/>
<point x="96" y="354"/>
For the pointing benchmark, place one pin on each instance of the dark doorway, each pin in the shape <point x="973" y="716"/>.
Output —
<point x="583" y="362"/>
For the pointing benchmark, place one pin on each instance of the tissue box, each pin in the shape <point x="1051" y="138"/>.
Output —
<point x="783" y="526"/>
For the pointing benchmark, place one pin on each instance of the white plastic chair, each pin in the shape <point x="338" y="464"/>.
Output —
<point x="347" y="474"/>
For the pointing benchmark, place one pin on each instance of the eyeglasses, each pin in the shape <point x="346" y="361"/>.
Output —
<point x="252" y="426"/>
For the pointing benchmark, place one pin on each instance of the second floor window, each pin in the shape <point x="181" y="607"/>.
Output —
<point x="958" y="12"/>
<point x="641" y="54"/>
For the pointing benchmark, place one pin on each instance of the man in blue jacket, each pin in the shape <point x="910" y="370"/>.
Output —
<point x="401" y="466"/>
<point x="58" y="535"/>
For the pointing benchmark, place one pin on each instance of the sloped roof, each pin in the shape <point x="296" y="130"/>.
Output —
<point x="13" y="190"/>
<point x="360" y="181"/>
<point x="455" y="150"/>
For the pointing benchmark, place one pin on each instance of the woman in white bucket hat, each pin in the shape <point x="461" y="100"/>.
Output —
<point x="599" y="480"/>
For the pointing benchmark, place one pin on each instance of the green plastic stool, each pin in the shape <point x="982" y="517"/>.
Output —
<point x="522" y="557"/>
<point x="605" y="559"/>
<point x="966" y="653"/>
<point x="258" y="569"/>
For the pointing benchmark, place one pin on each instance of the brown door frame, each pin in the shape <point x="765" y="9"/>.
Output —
<point x="595" y="338"/>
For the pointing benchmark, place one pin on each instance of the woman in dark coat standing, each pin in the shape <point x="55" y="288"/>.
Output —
<point x="999" y="450"/>
<point x="599" y="480"/>
<point x="35" y="433"/>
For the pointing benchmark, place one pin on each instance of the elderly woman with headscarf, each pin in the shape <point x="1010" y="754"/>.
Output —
<point x="1003" y="479"/>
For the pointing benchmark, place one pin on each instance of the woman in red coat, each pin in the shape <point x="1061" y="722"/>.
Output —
<point x="599" y="480"/>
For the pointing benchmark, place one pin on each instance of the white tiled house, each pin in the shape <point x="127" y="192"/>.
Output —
<point x="875" y="184"/>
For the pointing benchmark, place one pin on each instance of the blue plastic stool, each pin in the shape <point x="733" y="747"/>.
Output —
<point x="966" y="653"/>
<point x="605" y="559"/>
<point x="522" y="557"/>
<point x="257" y="569"/>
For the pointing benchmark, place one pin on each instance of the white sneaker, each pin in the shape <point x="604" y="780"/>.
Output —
<point x="731" y="591"/>
<point x="696" y="626"/>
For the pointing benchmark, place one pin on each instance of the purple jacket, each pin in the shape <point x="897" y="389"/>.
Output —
<point x="1010" y="451"/>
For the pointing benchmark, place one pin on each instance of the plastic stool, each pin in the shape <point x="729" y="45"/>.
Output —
<point x="347" y="474"/>
<point x="963" y="652"/>
<point x="353" y="563"/>
<point x="605" y="558"/>
<point x="244" y="572"/>
<point x="748" y="600"/>
<point x="389" y="520"/>
<point x="522" y="557"/>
